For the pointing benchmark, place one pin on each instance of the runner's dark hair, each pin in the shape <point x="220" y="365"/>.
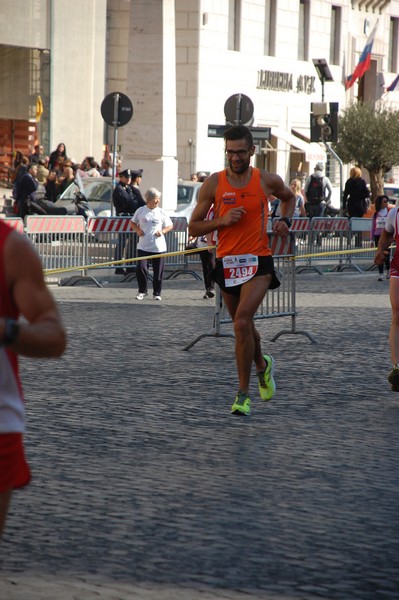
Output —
<point x="239" y="132"/>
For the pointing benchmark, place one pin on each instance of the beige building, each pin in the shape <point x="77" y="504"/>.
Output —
<point x="179" y="61"/>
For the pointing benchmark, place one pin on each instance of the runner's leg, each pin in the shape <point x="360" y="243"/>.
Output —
<point x="242" y="311"/>
<point x="5" y="498"/>
<point x="394" y="331"/>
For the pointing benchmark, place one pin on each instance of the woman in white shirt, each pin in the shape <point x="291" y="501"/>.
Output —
<point x="151" y="223"/>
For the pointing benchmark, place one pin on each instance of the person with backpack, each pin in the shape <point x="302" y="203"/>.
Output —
<point x="318" y="192"/>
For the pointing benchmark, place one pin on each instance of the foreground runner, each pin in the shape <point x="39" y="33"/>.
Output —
<point x="391" y="231"/>
<point x="22" y="291"/>
<point x="244" y="265"/>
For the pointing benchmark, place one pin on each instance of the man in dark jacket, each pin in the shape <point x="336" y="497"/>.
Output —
<point x="26" y="186"/>
<point x="126" y="202"/>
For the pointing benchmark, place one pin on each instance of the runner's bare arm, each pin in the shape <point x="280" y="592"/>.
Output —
<point x="43" y="335"/>
<point x="198" y="226"/>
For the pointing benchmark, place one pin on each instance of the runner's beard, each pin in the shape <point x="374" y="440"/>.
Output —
<point x="239" y="168"/>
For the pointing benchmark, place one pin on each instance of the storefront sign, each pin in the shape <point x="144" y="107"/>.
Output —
<point x="285" y="82"/>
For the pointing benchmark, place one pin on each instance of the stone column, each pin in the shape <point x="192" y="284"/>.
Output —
<point x="149" y="140"/>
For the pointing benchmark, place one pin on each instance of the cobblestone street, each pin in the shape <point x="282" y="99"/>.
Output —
<point x="144" y="485"/>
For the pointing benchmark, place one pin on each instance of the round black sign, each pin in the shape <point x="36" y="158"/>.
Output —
<point x="125" y="109"/>
<point x="239" y="110"/>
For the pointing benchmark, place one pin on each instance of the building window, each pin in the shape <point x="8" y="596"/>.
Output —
<point x="393" y="45"/>
<point x="335" y="35"/>
<point x="270" y="27"/>
<point x="303" y="33"/>
<point x="234" y="25"/>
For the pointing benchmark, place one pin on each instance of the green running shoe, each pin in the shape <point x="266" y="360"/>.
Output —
<point x="393" y="379"/>
<point x="242" y="404"/>
<point x="267" y="385"/>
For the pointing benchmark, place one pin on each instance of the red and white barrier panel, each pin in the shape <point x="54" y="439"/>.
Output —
<point x="15" y="223"/>
<point x="300" y="224"/>
<point x="109" y="225"/>
<point x="282" y="245"/>
<point x="179" y="223"/>
<point x="297" y="224"/>
<point x="329" y="224"/>
<point x="55" y="224"/>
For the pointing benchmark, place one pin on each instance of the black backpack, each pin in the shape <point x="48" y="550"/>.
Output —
<point x="315" y="192"/>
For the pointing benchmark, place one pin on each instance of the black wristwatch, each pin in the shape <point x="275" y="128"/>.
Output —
<point x="286" y="220"/>
<point x="11" y="331"/>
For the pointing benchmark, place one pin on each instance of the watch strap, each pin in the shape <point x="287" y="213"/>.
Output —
<point x="11" y="331"/>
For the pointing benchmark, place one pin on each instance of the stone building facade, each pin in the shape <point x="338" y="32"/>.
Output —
<point x="179" y="61"/>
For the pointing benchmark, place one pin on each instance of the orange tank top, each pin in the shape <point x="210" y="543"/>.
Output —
<point x="249" y="235"/>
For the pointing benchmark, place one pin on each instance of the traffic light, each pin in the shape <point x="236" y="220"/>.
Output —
<point x="324" y="122"/>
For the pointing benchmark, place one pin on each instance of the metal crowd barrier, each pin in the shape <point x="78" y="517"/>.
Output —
<point x="59" y="240"/>
<point x="109" y="239"/>
<point x="360" y="238"/>
<point x="176" y="241"/>
<point x="327" y="237"/>
<point x="277" y="303"/>
<point x="66" y="242"/>
<point x="16" y="223"/>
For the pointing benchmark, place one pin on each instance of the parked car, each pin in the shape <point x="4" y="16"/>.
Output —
<point x="392" y="191"/>
<point x="97" y="191"/>
<point x="187" y="196"/>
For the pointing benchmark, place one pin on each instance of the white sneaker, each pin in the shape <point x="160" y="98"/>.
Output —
<point x="140" y="296"/>
<point x="157" y="298"/>
<point x="380" y="278"/>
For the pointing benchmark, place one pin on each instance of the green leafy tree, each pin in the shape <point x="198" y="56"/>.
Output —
<point x="369" y="137"/>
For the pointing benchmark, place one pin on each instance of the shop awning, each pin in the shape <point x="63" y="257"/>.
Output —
<point x="312" y="150"/>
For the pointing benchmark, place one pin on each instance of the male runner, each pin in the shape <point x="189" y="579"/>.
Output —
<point x="244" y="265"/>
<point x="22" y="291"/>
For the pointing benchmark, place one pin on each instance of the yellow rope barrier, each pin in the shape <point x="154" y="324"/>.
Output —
<point x="114" y="263"/>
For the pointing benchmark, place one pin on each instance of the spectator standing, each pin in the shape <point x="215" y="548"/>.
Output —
<point x="244" y="264"/>
<point x="318" y="191"/>
<point x="106" y="168"/>
<point x="194" y="177"/>
<point x="137" y="177"/>
<point x="354" y="199"/>
<point x="23" y="292"/>
<point x="42" y="171"/>
<point x="51" y="186"/>
<point x="295" y="187"/>
<point x="26" y="187"/>
<point x="20" y="170"/>
<point x="90" y="166"/>
<point x="378" y="222"/>
<point x="57" y="157"/>
<point x="151" y="223"/>
<point x="37" y="154"/>
<point x="126" y="203"/>
<point x="208" y="257"/>
<point x="65" y="180"/>
<point x="355" y="194"/>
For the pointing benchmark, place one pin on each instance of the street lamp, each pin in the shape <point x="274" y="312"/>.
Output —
<point x="324" y="73"/>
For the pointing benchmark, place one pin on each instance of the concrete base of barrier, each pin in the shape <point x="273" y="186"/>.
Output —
<point x="75" y="279"/>
<point x="207" y="335"/>
<point x="175" y="274"/>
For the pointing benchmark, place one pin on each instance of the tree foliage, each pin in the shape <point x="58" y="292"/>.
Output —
<point x="369" y="137"/>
